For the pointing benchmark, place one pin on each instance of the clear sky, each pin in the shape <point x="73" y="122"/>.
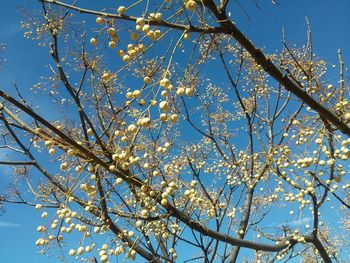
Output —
<point x="329" y="19"/>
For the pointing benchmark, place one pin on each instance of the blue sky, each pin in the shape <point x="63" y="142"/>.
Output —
<point x="26" y="62"/>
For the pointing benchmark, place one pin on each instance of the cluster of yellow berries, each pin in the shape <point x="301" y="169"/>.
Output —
<point x="142" y="26"/>
<point x="132" y="51"/>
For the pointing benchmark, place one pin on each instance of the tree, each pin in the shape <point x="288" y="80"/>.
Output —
<point x="151" y="154"/>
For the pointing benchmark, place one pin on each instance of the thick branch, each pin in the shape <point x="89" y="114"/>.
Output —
<point x="17" y="163"/>
<point x="321" y="250"/>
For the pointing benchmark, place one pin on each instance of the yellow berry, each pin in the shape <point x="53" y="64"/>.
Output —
<point x="174" y="117"/>
<point x="136" y="93"/>
<point x="134" y="36"/>
<point x="99" y="20"/>
<point x="63" y="166"/>
<point x="180" y="91"/>
<point x="147" y="80"/>
<point x="140" y="21"/>
<point x="191" y="5"/>
<point x="163" y="117"/>
<point x="93" y="41"/>
<point x="126" y="58"/>
<point x="111" y="31"/>
<point x="121" y="10"/>
<point x="158" y="16"/>
<point x="163" y="105"/>
<point x="189" y="91"/>
<point x="111" y="44"/>
<point x="164" y="202"/>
